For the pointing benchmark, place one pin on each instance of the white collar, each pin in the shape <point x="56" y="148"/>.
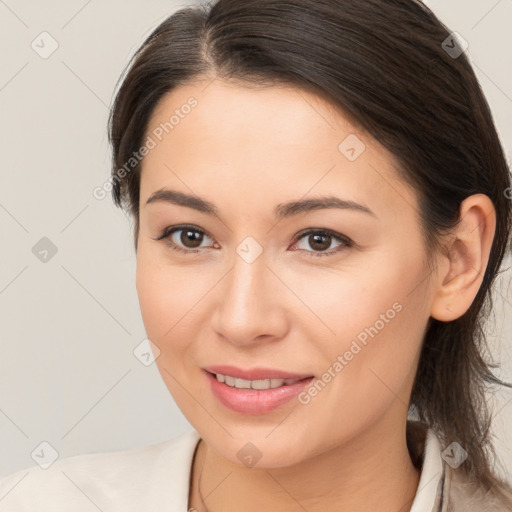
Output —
<point x="431" y="473"/>
<point x="183" y="450"/>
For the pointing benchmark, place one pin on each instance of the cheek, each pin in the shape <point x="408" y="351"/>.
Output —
<point x="157" y="310"/>
<point x="166" y="298"/>
<point x="154" y="298"/>
<point x="167" y="295"/>
<point x="371" y="317"/>
<point x="343" y="301"/>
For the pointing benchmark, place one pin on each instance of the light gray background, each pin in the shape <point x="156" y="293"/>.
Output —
<point x="68" y="375"/>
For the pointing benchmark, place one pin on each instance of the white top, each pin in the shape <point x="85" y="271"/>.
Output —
<point x="152" y="478"/>
<point x="431" y="475"/>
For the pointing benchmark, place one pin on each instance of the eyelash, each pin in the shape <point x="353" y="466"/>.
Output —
<point x="345" y="241"/>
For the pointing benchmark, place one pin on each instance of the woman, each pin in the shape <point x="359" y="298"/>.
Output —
<point x="320" y="205"/>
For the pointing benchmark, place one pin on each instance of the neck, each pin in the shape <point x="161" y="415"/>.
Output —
<point x="371" y="471"/>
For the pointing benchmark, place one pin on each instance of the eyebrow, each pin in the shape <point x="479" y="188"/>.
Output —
<point x="281" y="211"/>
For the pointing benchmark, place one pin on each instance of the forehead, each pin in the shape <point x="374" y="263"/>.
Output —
<point x="278" y="142"/>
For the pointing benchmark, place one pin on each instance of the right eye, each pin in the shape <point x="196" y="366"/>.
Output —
<point x="187" y="240"/>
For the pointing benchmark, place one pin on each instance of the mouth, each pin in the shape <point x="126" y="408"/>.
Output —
<point x="255" y="396"/>
<point x="258" y="384"/>
<point x="253" y="374"/>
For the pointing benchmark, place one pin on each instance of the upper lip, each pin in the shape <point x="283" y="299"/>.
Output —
<point x="255" y="373"/>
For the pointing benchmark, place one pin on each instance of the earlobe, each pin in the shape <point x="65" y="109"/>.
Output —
<point x="464" y="264"/>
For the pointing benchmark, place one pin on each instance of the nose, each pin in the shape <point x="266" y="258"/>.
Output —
<point x="250" y="306"/>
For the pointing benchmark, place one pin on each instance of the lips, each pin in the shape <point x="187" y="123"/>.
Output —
<point x="255" y="401"/>
<point x="255" y="373"/>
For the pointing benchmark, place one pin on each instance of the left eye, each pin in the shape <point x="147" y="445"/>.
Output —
<point x="321" y="239"/>
<point x="191" y="237"/>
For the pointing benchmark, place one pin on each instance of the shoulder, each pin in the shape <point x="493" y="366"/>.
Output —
<point x="444" y="486"/>
<point x="466" y="496"/>
<point x="130" y="479"/>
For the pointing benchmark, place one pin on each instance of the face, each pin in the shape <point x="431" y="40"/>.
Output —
<point x="337" y="291"/>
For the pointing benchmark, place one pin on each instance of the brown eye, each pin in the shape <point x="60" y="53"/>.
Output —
<point x="320" y="240"/>
<point x="184" y="238"/>
<point x="190" y="238"/>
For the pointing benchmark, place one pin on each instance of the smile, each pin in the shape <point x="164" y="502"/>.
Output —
<point x="256" y="397"/>
<point x="254" y="384"/>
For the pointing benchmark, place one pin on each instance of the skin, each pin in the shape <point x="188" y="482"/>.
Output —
<point x="247" y="150"/>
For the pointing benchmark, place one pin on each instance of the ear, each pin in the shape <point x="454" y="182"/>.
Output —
<point x="464" y="264"/>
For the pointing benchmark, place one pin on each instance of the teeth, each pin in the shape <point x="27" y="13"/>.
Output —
<point x="238" y="383"/>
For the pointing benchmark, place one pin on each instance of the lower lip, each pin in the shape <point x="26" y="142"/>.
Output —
<point x="254" y="401"/>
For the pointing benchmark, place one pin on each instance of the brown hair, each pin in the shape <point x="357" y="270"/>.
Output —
<point x="387" y="65"/>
